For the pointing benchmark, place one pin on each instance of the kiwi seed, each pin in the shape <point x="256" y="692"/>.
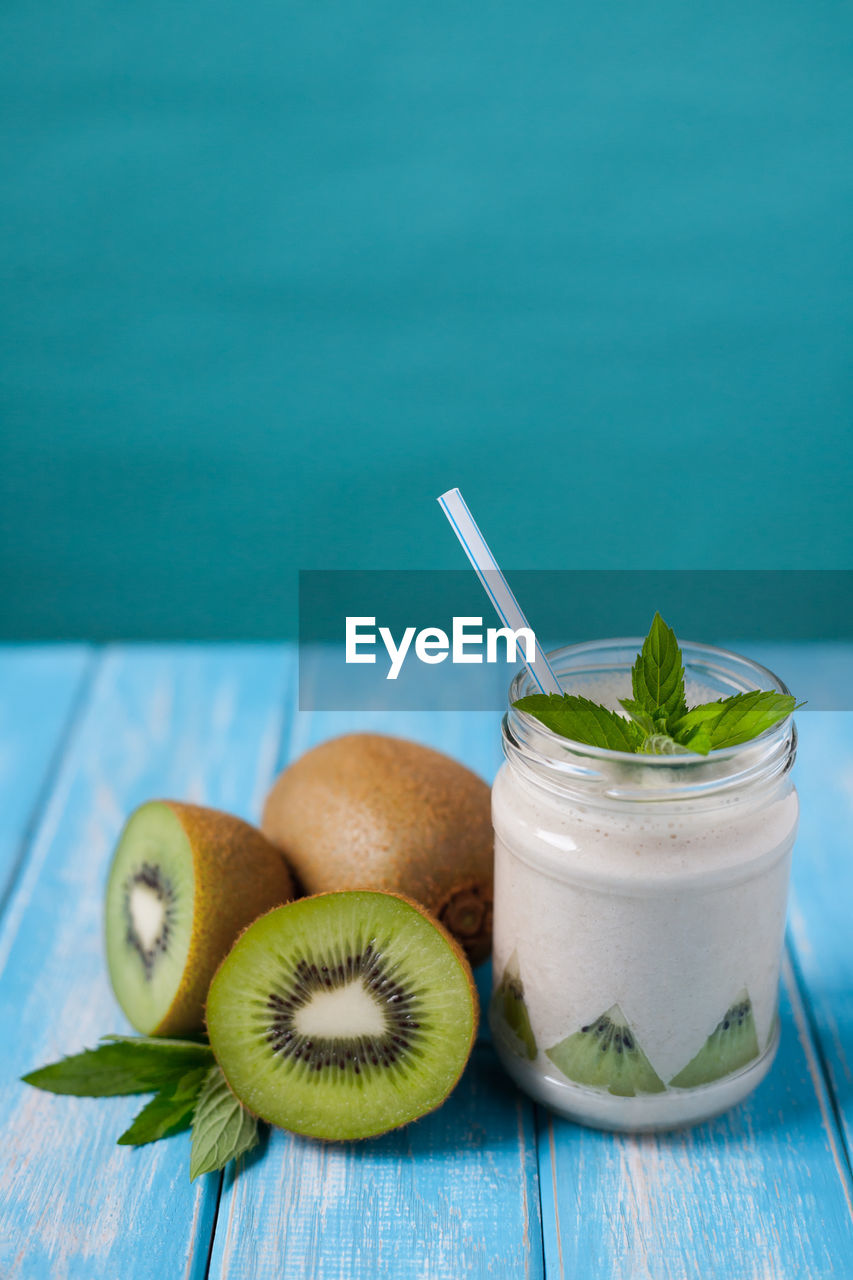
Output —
<point x="149" y="877"/>
<point x="345" y="1054"/>
<point x="605" y="1054"/>
<point x="731" y="1045"/>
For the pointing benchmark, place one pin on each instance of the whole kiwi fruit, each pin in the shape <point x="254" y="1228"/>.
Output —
<point x="368" y="811"/>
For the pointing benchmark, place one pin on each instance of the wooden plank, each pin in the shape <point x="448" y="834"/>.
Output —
<point x="202" y="724"/>
<point x="822" y="872"/>
<point x="821" y="906"/>
<point x="39" y="686"/>
<point x="764" y="1191"/>
<point x="454" y="1195"/>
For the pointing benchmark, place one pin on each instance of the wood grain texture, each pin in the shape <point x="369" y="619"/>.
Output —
<point x="38" y="689"/>
<point x="201" y="724"/>
<point x="455" y="1194"/>
<point x="821" y="908"/>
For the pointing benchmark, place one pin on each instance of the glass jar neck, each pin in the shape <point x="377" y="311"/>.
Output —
<point x="601" y="670"/>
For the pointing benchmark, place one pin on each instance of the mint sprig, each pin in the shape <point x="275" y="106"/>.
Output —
<point x="733" y="720"/>
<point x="659" y="721"/>
<point x="170" y="1111"/>
<point x="189" y="1088"/>
<point x="574" y="717"/>
<point x="121" y="1065"/>
<point x="222" y="1127"/>
<point x="657" y="677"/>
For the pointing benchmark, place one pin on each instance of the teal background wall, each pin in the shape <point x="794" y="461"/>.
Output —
<point x="276" y="274"/>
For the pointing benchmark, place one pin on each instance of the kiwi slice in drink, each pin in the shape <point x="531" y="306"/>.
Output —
<point x="184" y="881"/>
<point x="509" y="1017"/>
<point x="606" y="1055"/>
<point x="343" y="1015"/>
<point x="731" y="1045"/>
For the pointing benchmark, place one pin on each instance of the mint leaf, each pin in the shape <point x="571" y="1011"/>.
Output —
<point x="692" y="729"/>
<point x="698" y="716"/>
<point x="639" y="715"/>
<point x="121" y="1065"/>
<point x="222" y="1127"/>
<point x="739" y="719"/>
<point x="160" y="1044"/>
<point x="660" y="722"/>
<point x="167" y="1113"/>
<point x="655" y="740"/>
<point x="583" y="721"/>
<point x="657" y="677"/>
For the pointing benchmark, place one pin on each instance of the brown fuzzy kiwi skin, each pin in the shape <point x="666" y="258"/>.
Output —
<point x="383" y="813"/>
<point x="460" y="955"/>
<point x="238" y="875"/>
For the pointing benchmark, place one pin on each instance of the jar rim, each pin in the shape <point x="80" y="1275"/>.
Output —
<point x="634" y="775"/>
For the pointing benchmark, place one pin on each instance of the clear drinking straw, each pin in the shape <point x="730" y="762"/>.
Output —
<point x="496" y="586"/>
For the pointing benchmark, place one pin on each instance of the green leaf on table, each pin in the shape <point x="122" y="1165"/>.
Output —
<point x="222" y="1127"/>
<point x="121" y="1065"/>
<point x="166" y="1045"/>
<point x="575" y="717"/>
<point x="169" y="1112"/>
<point x="657" y="677"/>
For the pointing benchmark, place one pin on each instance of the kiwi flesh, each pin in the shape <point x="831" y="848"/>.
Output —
<point x="184" y="881"/>
<point x="343" y="1015"/>
<point x="606" y="1055"/>
<point x="509" y="1017"/>
<point x="375" y="812"/>
<point x="731" y="1045"/>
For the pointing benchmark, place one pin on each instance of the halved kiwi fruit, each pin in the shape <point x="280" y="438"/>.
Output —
<point x="375" y="812"/>
<point x="731" y="1045"/>
<point x="509" y="1017"/>
<point x="606" y="1055"/>
<point x="343" y="1015"/>
<point x="184" y="881"/>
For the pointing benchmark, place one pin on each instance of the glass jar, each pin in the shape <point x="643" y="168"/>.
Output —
<point x="640" y="904"/>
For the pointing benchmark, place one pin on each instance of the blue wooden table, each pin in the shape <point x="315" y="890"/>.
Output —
<point x="490" y="1185"/>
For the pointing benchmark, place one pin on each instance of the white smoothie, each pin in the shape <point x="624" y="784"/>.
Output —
<point x="646" y="891"/>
